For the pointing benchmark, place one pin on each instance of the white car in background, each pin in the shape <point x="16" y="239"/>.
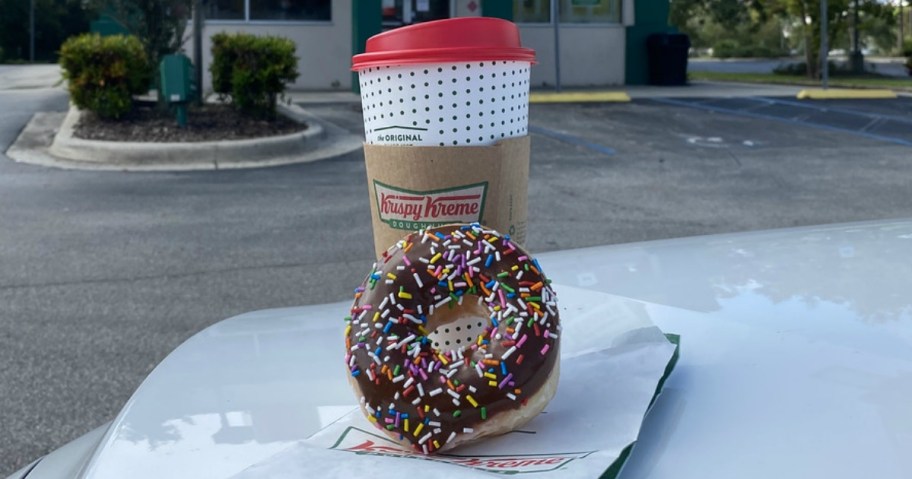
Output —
<point x="795" y="361"/>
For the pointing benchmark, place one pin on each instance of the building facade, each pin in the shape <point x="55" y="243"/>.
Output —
<point x="591" y="43"/>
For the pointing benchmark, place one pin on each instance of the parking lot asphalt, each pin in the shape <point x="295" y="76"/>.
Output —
<point x="102" y="273"/>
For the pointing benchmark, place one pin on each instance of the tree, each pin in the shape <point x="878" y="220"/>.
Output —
<point x="726" y="13"/>
<point x="159" y="24"/>
<point x="806" y="15"/>
<point x="729" y="27"/>
<point x="55" y="21"/>
<point x="878" y="25"/>
<point x="753" y="22"/>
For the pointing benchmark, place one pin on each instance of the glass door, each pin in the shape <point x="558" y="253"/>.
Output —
<point x="397" y="13"/>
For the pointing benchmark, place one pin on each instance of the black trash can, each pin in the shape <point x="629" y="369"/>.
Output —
<point x="668" y="58"/>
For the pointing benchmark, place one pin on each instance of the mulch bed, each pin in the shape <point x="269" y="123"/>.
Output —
<point x="210" y="122"/>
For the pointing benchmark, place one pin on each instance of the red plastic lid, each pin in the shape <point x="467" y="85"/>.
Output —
<point x="445" y="41"/>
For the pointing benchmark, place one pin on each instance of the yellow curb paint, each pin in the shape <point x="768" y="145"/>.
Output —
<point x="844" y="94"/>
<point x="579" y="97"/>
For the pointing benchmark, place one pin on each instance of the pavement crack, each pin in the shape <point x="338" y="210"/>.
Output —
<point x="735" y="159"/>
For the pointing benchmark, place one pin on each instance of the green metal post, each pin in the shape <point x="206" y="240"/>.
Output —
<point x="367" y="19"/>
<point x="182" y="115"/>
<point x="650" y="16"/>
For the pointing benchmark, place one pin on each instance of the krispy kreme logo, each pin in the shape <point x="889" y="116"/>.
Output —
<point x="412" y="210"/>
<point x="359" y="441"/>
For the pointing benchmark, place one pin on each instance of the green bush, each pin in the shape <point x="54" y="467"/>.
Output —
<point x="800" y="68"/>
<point x="222" y="63"/>
<point x="104" y="72"/>
<point x="729" y="48"/>
<point x="763" y="51"/>
<point x="253" y="70"/>
<point x="726" y="49"/>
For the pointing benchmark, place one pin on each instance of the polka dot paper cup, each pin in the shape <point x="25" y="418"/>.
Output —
<point x="447" y="104"/>
<point x="456" y="82"/>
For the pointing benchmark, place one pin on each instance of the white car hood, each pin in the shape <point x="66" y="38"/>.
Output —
<point x="796" y="361"/>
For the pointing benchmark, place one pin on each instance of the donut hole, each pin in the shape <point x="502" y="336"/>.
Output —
<point x="457" y="327"/>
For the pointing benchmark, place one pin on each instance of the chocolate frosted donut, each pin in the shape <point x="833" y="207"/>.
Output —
<point x="426" y="390"/>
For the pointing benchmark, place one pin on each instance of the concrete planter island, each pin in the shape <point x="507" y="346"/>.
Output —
<point x="48" y="140"/>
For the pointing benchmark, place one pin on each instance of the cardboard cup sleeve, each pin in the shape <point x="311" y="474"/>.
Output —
<point x="417" y="187"/>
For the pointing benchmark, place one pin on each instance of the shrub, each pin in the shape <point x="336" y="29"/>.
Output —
<point x="253" y="70"/>
<point x="104" y="72"/>
<point x="222" y="62"/>
<point x="729" y="48"/>
<point x="800" y="68"/>
<point x="763" y="51"/>
<point x="725" y="49"/>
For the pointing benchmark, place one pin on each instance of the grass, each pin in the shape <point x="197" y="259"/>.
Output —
<point x="840" y="81"/>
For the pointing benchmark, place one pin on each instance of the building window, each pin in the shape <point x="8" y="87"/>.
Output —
<point x="397" y="13"/>
<point x="590" y="11"/>
<point x="571" y="11"/>
<point x="295" y="10"/>
<point x="532" y="11"/>
<point x="270" y="10"/>
<point x="225" y="10"/>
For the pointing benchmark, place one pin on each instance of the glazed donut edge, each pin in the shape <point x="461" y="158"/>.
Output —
<point x="496" y="426"/>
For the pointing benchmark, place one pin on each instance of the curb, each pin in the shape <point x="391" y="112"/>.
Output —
<point x="216" y="153"/>
<point x="579" y="97"/>
<point x="47" y="140"/>
<point x="845" y="94"/>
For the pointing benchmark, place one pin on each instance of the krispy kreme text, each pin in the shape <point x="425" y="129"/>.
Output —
<point x="397" y="206"/>
<point x="501" y="464"/>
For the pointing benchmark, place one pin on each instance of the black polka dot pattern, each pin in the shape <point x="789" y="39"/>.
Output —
<point x="459" y="104"/>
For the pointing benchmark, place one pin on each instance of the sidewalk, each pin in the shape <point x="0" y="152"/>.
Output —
<point x="701" y="89"/>
<point x="890" y="66"/>
<point x="23" y="77"/>
<point x="705" y="89"/>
